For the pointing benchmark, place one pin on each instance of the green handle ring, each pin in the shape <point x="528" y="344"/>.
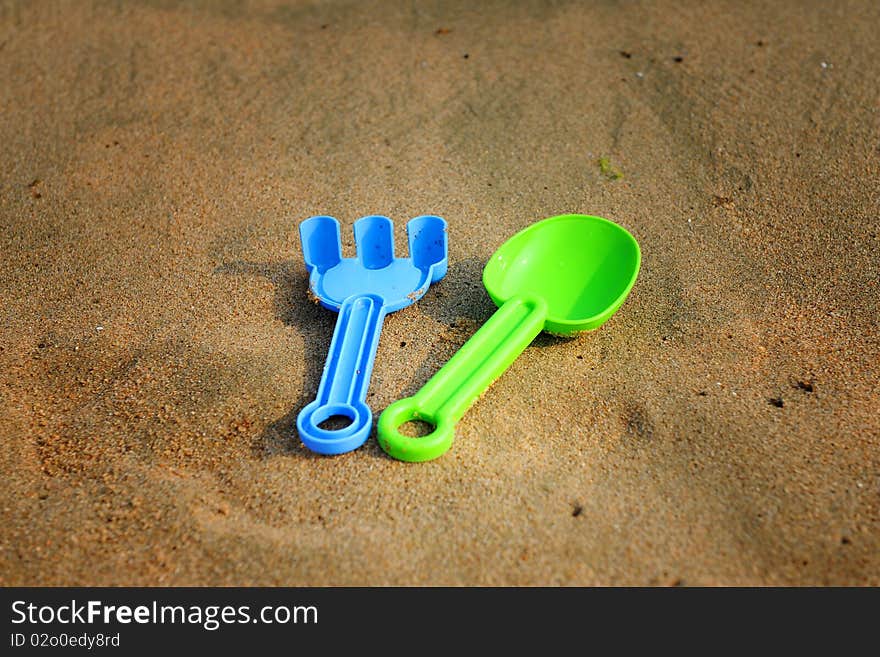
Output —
<point x="407" y="448"/>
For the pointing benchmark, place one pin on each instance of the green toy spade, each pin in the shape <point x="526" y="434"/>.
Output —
<point x="561" y="275"/>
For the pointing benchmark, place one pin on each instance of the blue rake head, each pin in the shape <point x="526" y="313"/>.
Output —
<point x="362" y="290"/>
<point x="397" y="281"/>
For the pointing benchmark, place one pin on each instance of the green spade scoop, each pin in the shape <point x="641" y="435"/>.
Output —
<point x="562" y="275"/>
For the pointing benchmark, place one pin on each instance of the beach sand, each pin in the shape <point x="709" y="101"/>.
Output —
<point x="157" y="341"/>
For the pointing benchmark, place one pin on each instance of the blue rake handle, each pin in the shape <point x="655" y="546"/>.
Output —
<point x="346" y="376"/>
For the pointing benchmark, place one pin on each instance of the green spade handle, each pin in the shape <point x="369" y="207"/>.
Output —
<point x="451" y="391"/>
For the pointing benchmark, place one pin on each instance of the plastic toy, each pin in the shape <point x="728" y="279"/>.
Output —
<point x="362" y="290"/>
<point x="562" y="275"/>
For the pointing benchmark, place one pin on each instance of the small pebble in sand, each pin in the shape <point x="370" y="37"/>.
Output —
<point x="722" y="201"/>
<point x="34" y="187"/>
<point x="639" y="74"/>
<point x="99" y="328"/>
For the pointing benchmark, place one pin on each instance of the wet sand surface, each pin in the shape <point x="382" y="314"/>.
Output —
<point x="157" y="341"/>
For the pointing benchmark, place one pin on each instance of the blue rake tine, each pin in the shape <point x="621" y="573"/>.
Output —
<point x="427" y="244"/>
<point x="374" y="238"/>
<point x="322" y="248"/>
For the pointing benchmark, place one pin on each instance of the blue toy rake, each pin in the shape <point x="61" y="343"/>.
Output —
<point x="362" y="290"/>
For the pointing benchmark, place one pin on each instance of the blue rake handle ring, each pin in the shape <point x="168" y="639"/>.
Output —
<point x="345" y="380"/>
